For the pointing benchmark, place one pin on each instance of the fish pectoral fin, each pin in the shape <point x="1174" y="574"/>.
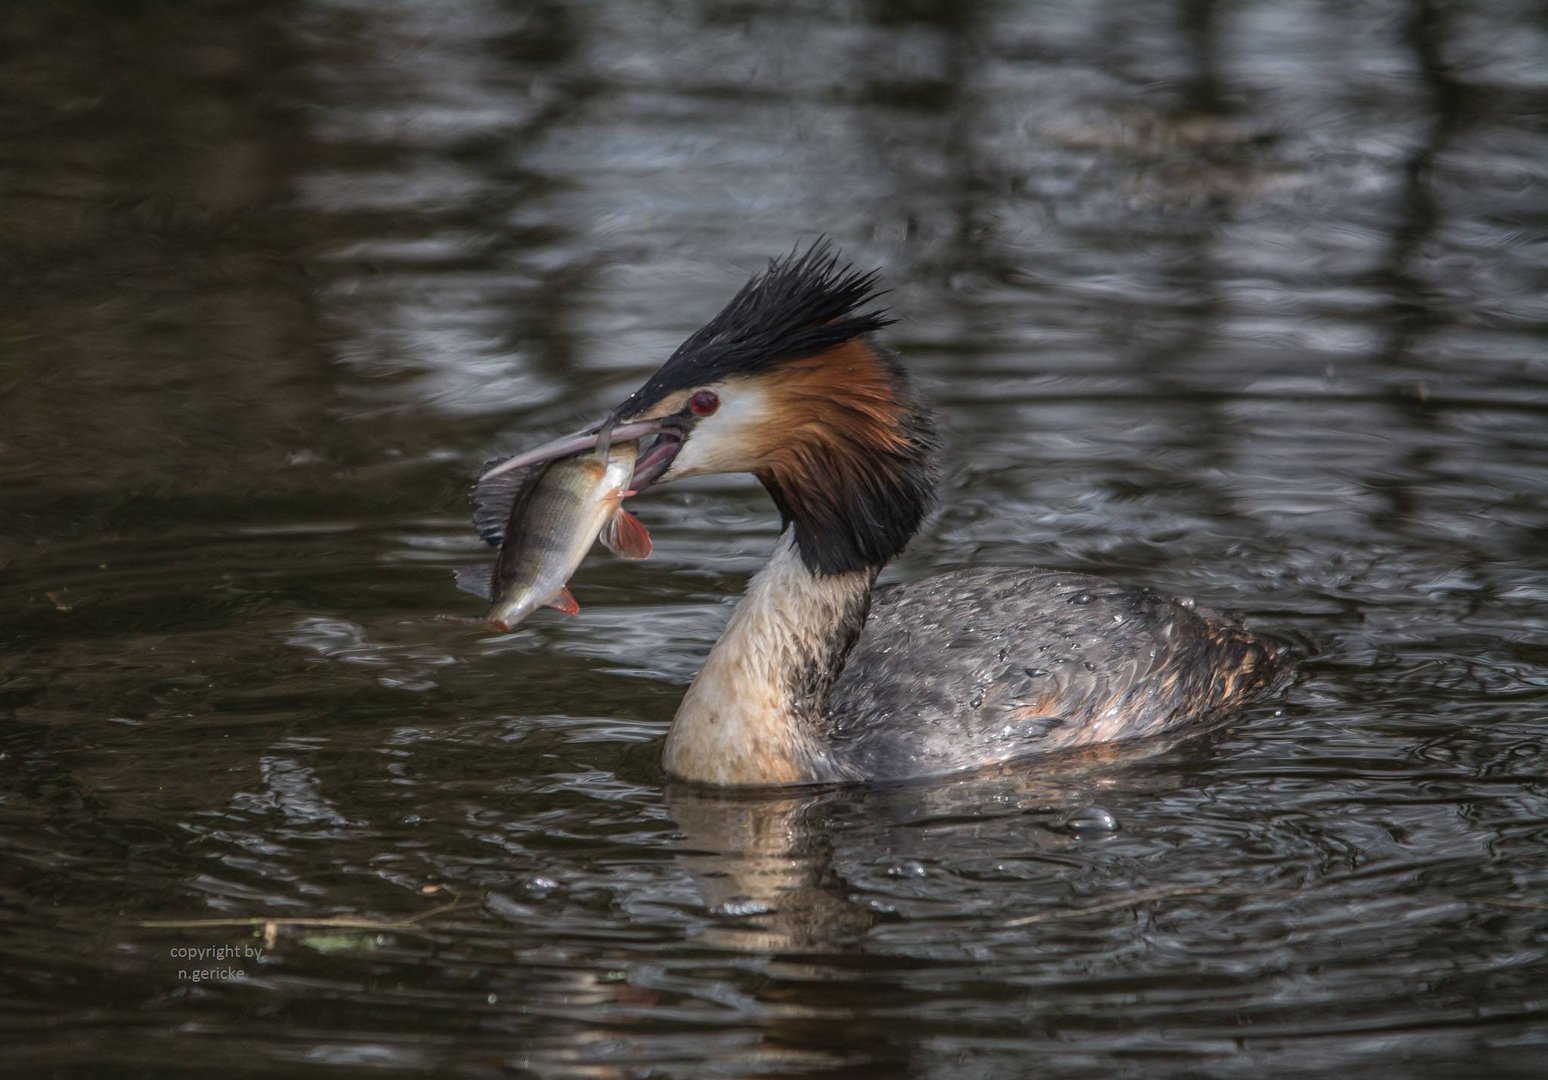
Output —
<point x="624" y="536"/>
<point x="478" y="580"/>
<point x="563" y="601"/>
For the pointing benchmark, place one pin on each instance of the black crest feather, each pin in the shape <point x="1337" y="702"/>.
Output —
<point x="857" y="502"/>
<point x="801" y="305"/>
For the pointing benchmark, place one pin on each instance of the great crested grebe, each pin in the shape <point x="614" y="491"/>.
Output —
<point x="821" y="677"/>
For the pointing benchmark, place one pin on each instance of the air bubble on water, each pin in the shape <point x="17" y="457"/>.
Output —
<point x="541" y="886"/>
<point x="1090" y="819"/>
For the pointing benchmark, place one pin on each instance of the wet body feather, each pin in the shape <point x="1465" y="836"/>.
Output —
<point x="1008" y="662"/>
<point x="821" y="679"/>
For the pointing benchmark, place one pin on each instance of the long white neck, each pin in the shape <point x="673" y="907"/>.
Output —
<point x="755" y="715"/>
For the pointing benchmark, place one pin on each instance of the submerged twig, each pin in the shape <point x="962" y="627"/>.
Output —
<point x="1143" y="897"/>
<point x="271" y="924"/>
<point x="1502" y="901"/>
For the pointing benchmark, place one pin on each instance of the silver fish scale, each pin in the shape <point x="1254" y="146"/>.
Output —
<point x="991" y="663"/>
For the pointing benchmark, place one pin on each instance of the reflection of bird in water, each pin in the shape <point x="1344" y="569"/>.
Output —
<point x="786" y="870"/>
<point x="765" y="864"/>
<point x="822" y="677"/>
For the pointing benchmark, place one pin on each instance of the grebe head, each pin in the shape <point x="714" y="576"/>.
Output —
<point x="787" y="383"/>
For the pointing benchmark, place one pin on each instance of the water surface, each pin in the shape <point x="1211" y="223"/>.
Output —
<point x="1244" y="301"/>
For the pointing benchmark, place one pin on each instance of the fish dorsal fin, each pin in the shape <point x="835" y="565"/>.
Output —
<point x="493" y="499"/>
<point x="478" y="580"/>
<point x="625" y="536"/>
<point x="564" y="601"/>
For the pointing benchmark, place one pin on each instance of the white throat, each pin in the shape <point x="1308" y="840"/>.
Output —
<point x="753" y="715"/>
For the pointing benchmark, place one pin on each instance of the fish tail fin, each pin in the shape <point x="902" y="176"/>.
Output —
<point x="478" y="580"/>
<point x="564" y="601"/>
<point x="625" y="536"/>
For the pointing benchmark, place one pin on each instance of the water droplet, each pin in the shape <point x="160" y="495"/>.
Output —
<point x="1036" y="672"/>
<point x="541" y="886"/>
<point x="976" y="700"/>
<point x="1090" y="819"/>
<point x="1081" y="598"/>
<point x="908" y="868"/>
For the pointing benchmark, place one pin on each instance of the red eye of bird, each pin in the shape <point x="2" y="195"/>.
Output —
<point x="704" y="403"/>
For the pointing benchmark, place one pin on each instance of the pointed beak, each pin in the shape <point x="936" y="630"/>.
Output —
<point x="651" y="464"/>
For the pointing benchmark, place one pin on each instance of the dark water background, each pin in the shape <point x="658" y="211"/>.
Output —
<point x="1246" y="301"/>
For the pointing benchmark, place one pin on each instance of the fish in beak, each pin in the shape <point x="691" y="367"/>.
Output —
<point x="557" y="509"/>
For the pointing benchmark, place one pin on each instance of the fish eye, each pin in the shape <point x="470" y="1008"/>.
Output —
<point x="704" y="403"/>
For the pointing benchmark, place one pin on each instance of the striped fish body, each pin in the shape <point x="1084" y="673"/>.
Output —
<point x="556" y="512"/>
